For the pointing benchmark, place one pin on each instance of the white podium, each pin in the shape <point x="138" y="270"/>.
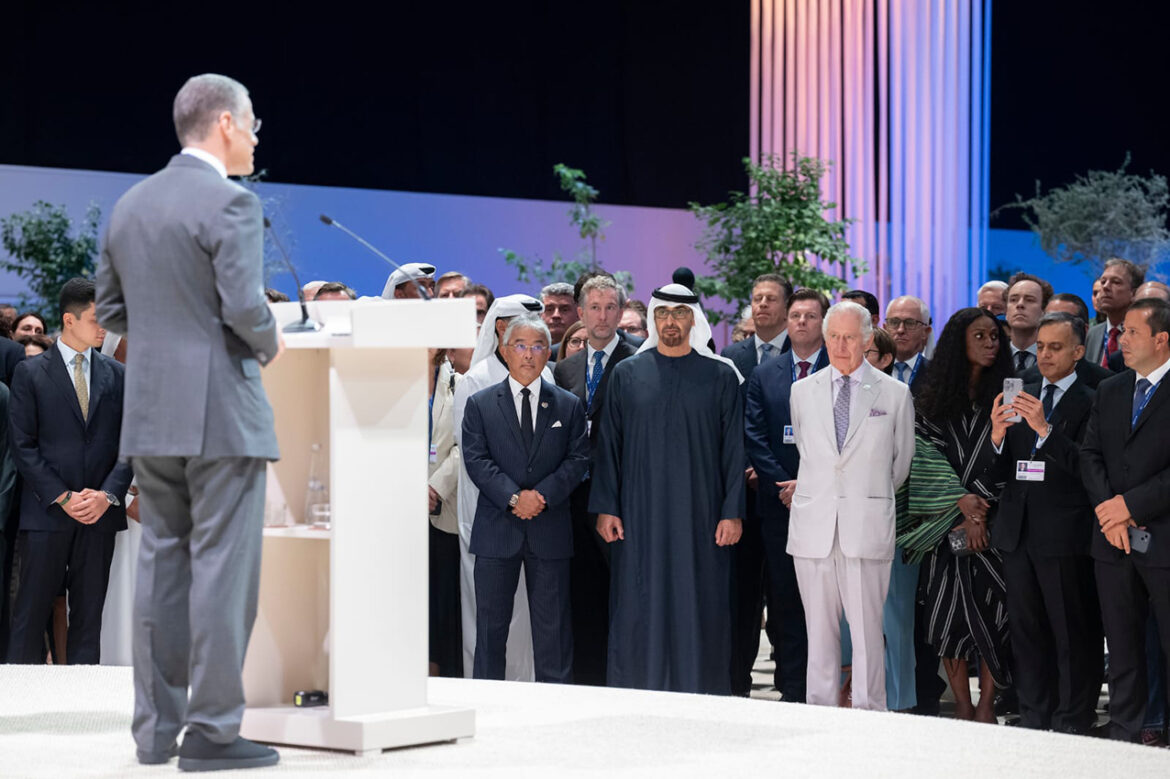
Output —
<point x="345" y="610"/>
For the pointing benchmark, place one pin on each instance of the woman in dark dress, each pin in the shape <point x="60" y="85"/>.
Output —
<point x="966" y="606"/>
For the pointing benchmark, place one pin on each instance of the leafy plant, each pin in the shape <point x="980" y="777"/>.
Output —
<point x="532" y="270"/>
<point x="43" y="251"/>
<point x="780" y="227"/>
<point x="1100" y="215"/>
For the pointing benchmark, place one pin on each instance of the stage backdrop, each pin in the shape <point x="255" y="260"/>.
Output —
<point x="896" y="94"/>
<point x="452" y="232"/>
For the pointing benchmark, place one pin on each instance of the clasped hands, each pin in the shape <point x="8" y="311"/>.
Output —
<point x="1028" y="407"/>
<point x="610" y="528"/>
<point x="530" y="504"/>
<point x="86" y="506"/>
<point x="974" y="522"/>
<point x="1115" y="520"/>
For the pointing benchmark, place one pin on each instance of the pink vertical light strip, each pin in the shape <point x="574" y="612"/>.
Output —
<point x="759" y="77"/>
<point x="878" y="30"/>
<point x="834" y="99"/>
<point x="790" y="82"/>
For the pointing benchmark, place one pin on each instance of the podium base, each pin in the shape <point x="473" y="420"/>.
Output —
<point x="316" y="728"/>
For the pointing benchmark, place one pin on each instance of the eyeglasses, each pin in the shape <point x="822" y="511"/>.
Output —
<point x="909" y="324"/>
<point x="255" y="129"/>
<point x="868" y="352"/>
<point x="577" y="341"/>
<point x="536" y="349"/>
<point x="679" y="314"/>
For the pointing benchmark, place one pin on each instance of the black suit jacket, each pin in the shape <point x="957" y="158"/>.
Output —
<point x="1088" y="374"/>
<point x="743" y="354"/>
<point x="500" y="466"/>
<point x="1116" y="460"/>
<point x="570" y="373"/>
<point x="56" y="449"/>
<point x="1116" y="362"/>
<point x="1059" y="517"/>
<point x="11" y="354"/>
<point x="766" y="412"/>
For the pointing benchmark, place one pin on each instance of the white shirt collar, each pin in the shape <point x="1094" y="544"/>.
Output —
<point x="777" y="342"/>
<point x="207" y="157"/>
<point x="812" y="359"/>
<point x="607" y="349"/>
<point x="912" y="363"/>
<point x="1030" y="350"/>
<point x="516" y="386"/>
<point x="854" y="378"/>
<point x="1156" y="374"/>
<point x="70" y="353"/>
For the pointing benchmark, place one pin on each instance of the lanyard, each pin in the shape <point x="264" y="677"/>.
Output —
<point x="431" y="414"/>
<point x="914" y="370"/>
<point x="1138" y="414"/>
<point x="1047" y="417"/>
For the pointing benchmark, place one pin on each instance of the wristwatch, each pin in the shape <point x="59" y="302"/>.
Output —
<point x="113" y="500"/>
<point x="512" y="501"/>
<point x="66" y="499"/>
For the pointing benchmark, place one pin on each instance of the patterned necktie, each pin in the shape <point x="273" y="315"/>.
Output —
<point x="1110" y="347"/>
<point x="841" y="411"/>
<point x="594" y="379"/>
<point x="1139" y="397"/>
<point x="804" y="366"/>
<point x="767" y="352"/>
<point x="80" y="386"/>
<point x="1021" y="361"/>
<point x="526" y="417"/>
<point x="1049" y="397"/>
<point x="901" y="368"/>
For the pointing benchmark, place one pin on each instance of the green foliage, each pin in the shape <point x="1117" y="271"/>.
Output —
<point x="42" y="250"/>
<point x="1100" y="215"/>
<point x="532" y="270"/>
<point x="779" y="228"/>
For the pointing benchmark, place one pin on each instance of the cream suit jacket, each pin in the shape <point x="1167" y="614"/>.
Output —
<point x="851" y="491"/>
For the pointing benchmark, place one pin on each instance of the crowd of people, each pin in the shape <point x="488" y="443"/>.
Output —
<point x="614" y="503"/>
<point x="904" y="509"/>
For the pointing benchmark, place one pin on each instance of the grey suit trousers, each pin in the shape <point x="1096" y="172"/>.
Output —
<point x="195" y="598"/>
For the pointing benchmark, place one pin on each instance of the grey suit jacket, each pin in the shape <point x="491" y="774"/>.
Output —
<point x="181" y="277"/>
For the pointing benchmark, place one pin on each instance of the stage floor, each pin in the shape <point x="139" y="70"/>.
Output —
<point x="75" y="721"/>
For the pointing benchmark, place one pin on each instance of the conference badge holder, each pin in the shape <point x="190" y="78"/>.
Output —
<point x="1029" y="470"/>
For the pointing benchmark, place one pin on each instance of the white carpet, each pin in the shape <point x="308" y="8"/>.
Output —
<point x="75" y="721"/>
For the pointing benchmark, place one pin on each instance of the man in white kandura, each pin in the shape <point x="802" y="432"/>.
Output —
<point x="854" y="430"/>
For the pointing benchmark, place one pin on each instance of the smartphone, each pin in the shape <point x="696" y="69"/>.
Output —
<point x="1139" y="540"/>
<point x="1012" y="388"/>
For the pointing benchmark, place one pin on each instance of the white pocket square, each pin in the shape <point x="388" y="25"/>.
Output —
<point x="557" y="423"/>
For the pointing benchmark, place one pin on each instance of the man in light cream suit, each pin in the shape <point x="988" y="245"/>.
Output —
<point x="854" y="429"/>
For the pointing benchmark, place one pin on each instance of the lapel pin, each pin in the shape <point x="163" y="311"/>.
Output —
<point x="544" y="404"/>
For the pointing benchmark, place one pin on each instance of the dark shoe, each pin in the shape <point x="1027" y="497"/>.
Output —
<point x="158" y="758"/>
<point x="200" y="754"/>
<point x="1006" y="702"/>
<point x="1104" y="730"/>
<point x="1153" y="737"/>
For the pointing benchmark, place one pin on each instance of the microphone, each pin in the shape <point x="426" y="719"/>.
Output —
<point x="306" y="325"/>
<point x="422" y="291"/>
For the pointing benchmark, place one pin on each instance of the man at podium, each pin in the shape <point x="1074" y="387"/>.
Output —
<point x="181" y="275"/>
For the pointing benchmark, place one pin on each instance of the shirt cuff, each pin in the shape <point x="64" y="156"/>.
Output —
<point x="1040" y="442"/>
<point x="998" y="449"/>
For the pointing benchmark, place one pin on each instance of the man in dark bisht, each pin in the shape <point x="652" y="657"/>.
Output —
<point x="668" y="486"/>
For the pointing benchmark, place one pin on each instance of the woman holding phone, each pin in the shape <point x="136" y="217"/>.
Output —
<point x="966" y="605"/>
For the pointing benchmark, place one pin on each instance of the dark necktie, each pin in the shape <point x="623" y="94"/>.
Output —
<point x="594" y="379"/>
<point x="1139" y="397"/>
<point x="1049" y="397"/>
<point x="901" y="366"/>
<point x="1021" y="361"/>
<point x="804" y="366"/>
<point x="1110" y="347"/>
<point x="526" y="418"/>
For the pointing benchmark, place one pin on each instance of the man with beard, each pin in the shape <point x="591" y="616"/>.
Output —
<point x="668" y="486"/>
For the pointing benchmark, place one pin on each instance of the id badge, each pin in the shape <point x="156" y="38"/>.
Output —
<point x="789" y="435"/>
<point x="434" y="456"/>
<point x="1030" y="470"/>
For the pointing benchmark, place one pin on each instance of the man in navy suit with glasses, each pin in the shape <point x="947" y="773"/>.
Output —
<point x="525" y="448"/>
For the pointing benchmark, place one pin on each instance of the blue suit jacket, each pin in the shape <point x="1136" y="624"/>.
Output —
<point x="500" y="466"/>
<point x="56" y="449"/>
<point x="766" y="413"/>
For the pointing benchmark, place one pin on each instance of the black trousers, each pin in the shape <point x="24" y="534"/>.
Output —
<point x="1128" y="592"/>
<point x="80" y="558"/>
<point x="446" y="625"/>
<point x="786" y="625"/>
<point x="747" y="601"/>
<point x="1055" y="625"/>
<point x="496" y="579"/>
<point x="589" y="593"/>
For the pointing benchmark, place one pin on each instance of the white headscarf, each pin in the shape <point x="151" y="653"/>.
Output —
<point x="503" y="308"/>
<point x="411" y="271"/>
<point x="673" y="295"/>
